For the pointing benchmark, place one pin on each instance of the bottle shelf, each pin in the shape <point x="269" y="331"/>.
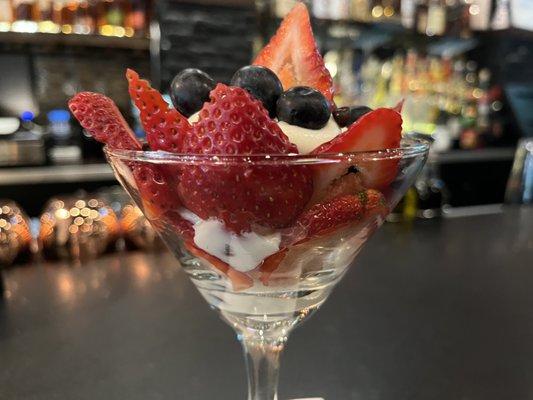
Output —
<point x="469" y="156"/>
<point x="75" y="40"/>
<point x="56" y="174"/>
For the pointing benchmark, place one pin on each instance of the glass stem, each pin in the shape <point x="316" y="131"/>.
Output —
<point x="262" y="364"/>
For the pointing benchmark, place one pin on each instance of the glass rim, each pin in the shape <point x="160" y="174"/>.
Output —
<point x="411" y="146"/>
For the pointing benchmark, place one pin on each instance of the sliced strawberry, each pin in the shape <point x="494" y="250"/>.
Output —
<point x="378" y="130"/>
<point x="323" y="218"/>
<point x="239" y="280"/>
<point x="165" y="127"/>
<point x="241" y="195"/>
<point x="99" y="116"/>
<point x="374" y="202"/>
<point x="350" y="183"/>
<point x="293" y="54"/>
<point x="157" y="184"/>
<point x="399" y="107"/>
<point x="271" y="264"/>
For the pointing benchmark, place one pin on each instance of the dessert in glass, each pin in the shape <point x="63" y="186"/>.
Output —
<point x="263" y="189"/>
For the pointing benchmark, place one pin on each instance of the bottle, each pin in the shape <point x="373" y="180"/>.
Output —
<point x="25" y="16"/>
<point x="68" y="14"/>
<point x="479" y="12"/>
<point x="6" y="15"/>
<point x="339" y="10"/>
<point x="321" y="9"/>
<point x="436" y="18"/>
<point x="47" y="21"/>
<point x="501" y="19"/>
<point x="408" y="9"/>
<point x="458" y="20"/>
<point x="421" y="16"/>
<point x="83" y="20"/>
<point x="522" y="14"/>
<point x="360" y="10"/>
<point x="136" y="23"/>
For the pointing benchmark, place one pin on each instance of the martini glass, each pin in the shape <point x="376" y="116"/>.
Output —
<point x="264" y="303"/>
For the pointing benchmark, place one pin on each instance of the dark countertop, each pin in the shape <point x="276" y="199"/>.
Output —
<point x="441" y="310"/>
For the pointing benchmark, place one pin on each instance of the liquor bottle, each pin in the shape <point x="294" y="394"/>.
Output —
<point x="83" y="19"/>
<point x="47" y="22"/>
<point x="6" y="15"/>
<point x="25" y="16"/>
<point x="522" y="14"/>
<point x="321" y="9"/>
<point x="436" y="18"/>
<point x="480" y="15"/>
<point x="408" y="9"/>
<point x="421" y="16"/>
<point x="458" y="20"/>
<point x="360" y="10"/>
<point x="501" y="19"/>
<point x="136" y="19"/>
<point x="339" y="10"/>
<point x="68" y="14"/>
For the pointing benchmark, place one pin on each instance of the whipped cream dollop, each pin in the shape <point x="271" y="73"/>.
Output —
<point x="243" y="252"/>
<point x="309" y="139"/>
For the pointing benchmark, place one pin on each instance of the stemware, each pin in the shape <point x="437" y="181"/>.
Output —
<point x="265" y="283"/>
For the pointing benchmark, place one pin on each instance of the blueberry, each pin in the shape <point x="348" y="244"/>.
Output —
<point x="303" y="106"/>
<point x="261" y="83"/>
<point x="345" y="116"/>
<point x="190" y="89"/>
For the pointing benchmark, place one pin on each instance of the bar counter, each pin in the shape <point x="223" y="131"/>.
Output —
<point x="438" y="310"/>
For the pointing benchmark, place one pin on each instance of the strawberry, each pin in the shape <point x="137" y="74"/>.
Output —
<point x="374" y="202"/>
<point x="157" y="184"/>
<point x="323" y="218"/>
<point x="378" y="130"/>
<point x="347" y="184"/>
<point x="100" y="116"/>
<point x="165" y="127"/>
<point x="270" y="195"/>
<point x="293" y="55"/>
<point x="271" y="264"/>
<point x="239" y="280"/>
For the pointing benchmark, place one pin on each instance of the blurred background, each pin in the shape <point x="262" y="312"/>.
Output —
<point x="464" y="68"/>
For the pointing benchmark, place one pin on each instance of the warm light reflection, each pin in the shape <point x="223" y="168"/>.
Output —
<point x="377" y="12"/>
<point x="106" y="30"/>
<point x="65" y="286"/>
<point x="141" y="271"/>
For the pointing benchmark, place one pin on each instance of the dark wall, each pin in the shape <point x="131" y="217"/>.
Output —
<point x="215" y="38"/>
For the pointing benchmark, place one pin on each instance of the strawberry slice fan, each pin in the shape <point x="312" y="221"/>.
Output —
<point x="263" y="231"/>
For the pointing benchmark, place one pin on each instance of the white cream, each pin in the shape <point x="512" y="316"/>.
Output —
<point x="309" y="139"/>
<point x="194" y="118"/>
<point x="243" y="252"/>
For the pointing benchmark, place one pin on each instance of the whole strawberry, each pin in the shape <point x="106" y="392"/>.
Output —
<point x="270" y="195"/>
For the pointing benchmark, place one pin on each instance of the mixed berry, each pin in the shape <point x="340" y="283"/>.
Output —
<point x="288" y="82"/>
